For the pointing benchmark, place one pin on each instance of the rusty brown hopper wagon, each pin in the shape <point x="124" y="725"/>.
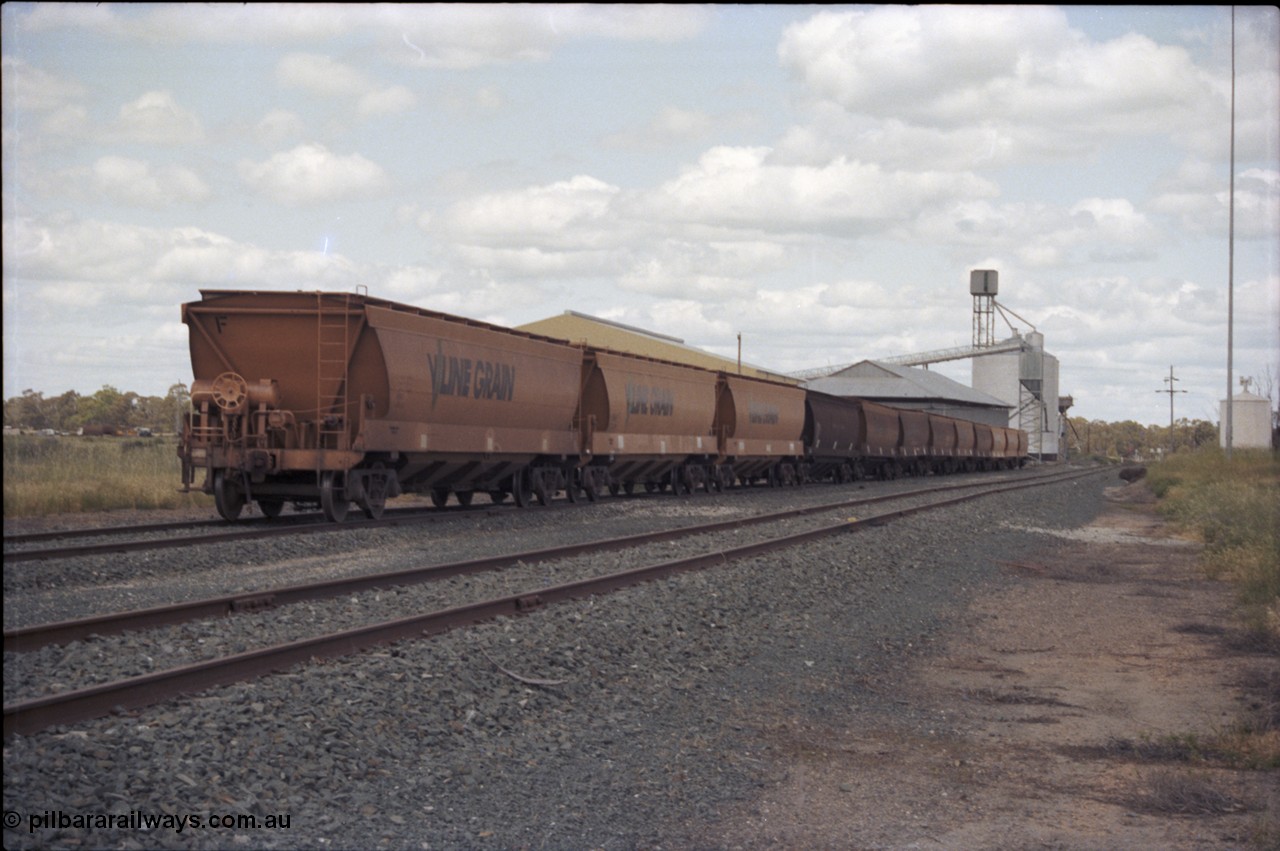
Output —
<point x="882" y="431"/>
<point x="984" y="441"/>
<point x="966" y="443"/>
<point x="331" y="398"/>
<point x="914" y="448"/>
<point x="942" y="443"/>
<point x="760" y="427"/>
<point x="646" y="422"/>
<point x="833" y="433"/>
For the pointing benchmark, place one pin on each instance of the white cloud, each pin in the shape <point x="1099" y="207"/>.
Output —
<point x="66" y="125"/>
<point x="325" y="77"/>
<point x="741" y="187"/>
<point x="321" y="75"/>
<point x="670" y="125"/>
<point x="386" y="101"/>
<point x="279" y="126"/>
<point x="178" y="22"/>
<point x="1009" y="67"/>
<point x="569" y="213"/>
<point x="81" y="263"/>
<point x="134" y="182"/>
<point x="438" y="36"/>
<point x="1040" y="234"/>
<point x="156" y="118"/>
<point x="462" y="36"/>
<point x="310" y="173"/>
<point x="1196" y="196"/>
<point x="28" y="87"/>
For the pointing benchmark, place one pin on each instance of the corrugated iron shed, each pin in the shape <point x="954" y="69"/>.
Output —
<point x="606" y="334"/>
<point x="908" y="387"/>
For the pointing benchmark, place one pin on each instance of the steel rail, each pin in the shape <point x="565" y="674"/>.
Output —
<point x="29" y="716"/>
<point x="298" y="519"/>
<point x="303" y="524"/>
<point x="262" y="528"/>
<point x="296" y="525"/>
<point x="29" y="638"/>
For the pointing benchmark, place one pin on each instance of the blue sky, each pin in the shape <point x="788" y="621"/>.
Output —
<point x="818" y="179"/>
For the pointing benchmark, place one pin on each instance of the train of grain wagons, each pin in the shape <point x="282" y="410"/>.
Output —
<point x="334" y="399"/>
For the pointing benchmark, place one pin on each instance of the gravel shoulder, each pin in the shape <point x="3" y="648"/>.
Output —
<point x="1061" y="706"/>
<point x="968" y="678"/>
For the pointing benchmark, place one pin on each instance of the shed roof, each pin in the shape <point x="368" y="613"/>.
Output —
<point x="885" y="382"/>
<point x="606" y="334"/>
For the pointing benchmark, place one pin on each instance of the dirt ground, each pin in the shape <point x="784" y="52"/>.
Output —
<point x="1069" y="708"/>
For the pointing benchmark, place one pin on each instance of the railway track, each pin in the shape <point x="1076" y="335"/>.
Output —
<point x="216" y="532"/>
<point x="19" y="551"/>
<point x="25" y="716"/>
<point x="25" y="639"/>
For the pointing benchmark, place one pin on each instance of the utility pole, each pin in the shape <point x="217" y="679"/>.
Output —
<point x="1171" y="391"/>
<point x="1227" y="419"/>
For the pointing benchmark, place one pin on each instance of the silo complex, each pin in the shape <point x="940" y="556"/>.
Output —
<point x="1028" y="381"/>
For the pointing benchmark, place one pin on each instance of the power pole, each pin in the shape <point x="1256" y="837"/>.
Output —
<point x="1170" y="390"/>
<point x="1227" y="419"/>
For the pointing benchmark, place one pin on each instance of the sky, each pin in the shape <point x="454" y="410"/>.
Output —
<point x="817" y="179"/>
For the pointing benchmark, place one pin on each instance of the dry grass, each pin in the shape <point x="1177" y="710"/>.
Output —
<point x="1234" y="507"/>
<point x="1173" y="792"/>
<point x="61" y="475"/>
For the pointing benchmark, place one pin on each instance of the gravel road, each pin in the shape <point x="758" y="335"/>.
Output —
<point x="644" y="727"/>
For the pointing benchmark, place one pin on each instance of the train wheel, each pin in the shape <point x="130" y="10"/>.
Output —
<point x="573" y="486"/>
<point x="465" y="497"/>
<point x="374" y="499"/>
<point x="541" y="487"/>
<point x="333" y="500"/>
<point x="498" y="497"/>
<point x="520" y="489"/>
<point x="590" y="486"/>
<point x="271" y="507"/>
<point x="439" y="496"/>
<point x="227" y="497"/>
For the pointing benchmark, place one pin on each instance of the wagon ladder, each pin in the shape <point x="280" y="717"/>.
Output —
<point x="333" y="357"/>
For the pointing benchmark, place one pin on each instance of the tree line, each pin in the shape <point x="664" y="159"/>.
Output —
<point x="109" y="407"/>
<point x="1129" y="440"/>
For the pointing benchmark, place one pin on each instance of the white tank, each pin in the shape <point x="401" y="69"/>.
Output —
<point x="1250" y="422"/>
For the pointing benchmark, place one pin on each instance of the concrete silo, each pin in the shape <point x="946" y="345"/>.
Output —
<point x="1027" y="379"/>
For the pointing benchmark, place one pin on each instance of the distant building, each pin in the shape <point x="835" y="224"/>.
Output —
<point x="606" y="334"/>
<point x="1250" y="422"/>
<point x="909" y="387"/>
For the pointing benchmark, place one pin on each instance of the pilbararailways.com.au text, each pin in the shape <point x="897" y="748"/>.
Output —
<point x="139" y="820"/>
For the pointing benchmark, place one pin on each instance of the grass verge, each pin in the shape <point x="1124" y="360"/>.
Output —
<point x="61" y="475"/>
<point x="1234" y="507"/>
